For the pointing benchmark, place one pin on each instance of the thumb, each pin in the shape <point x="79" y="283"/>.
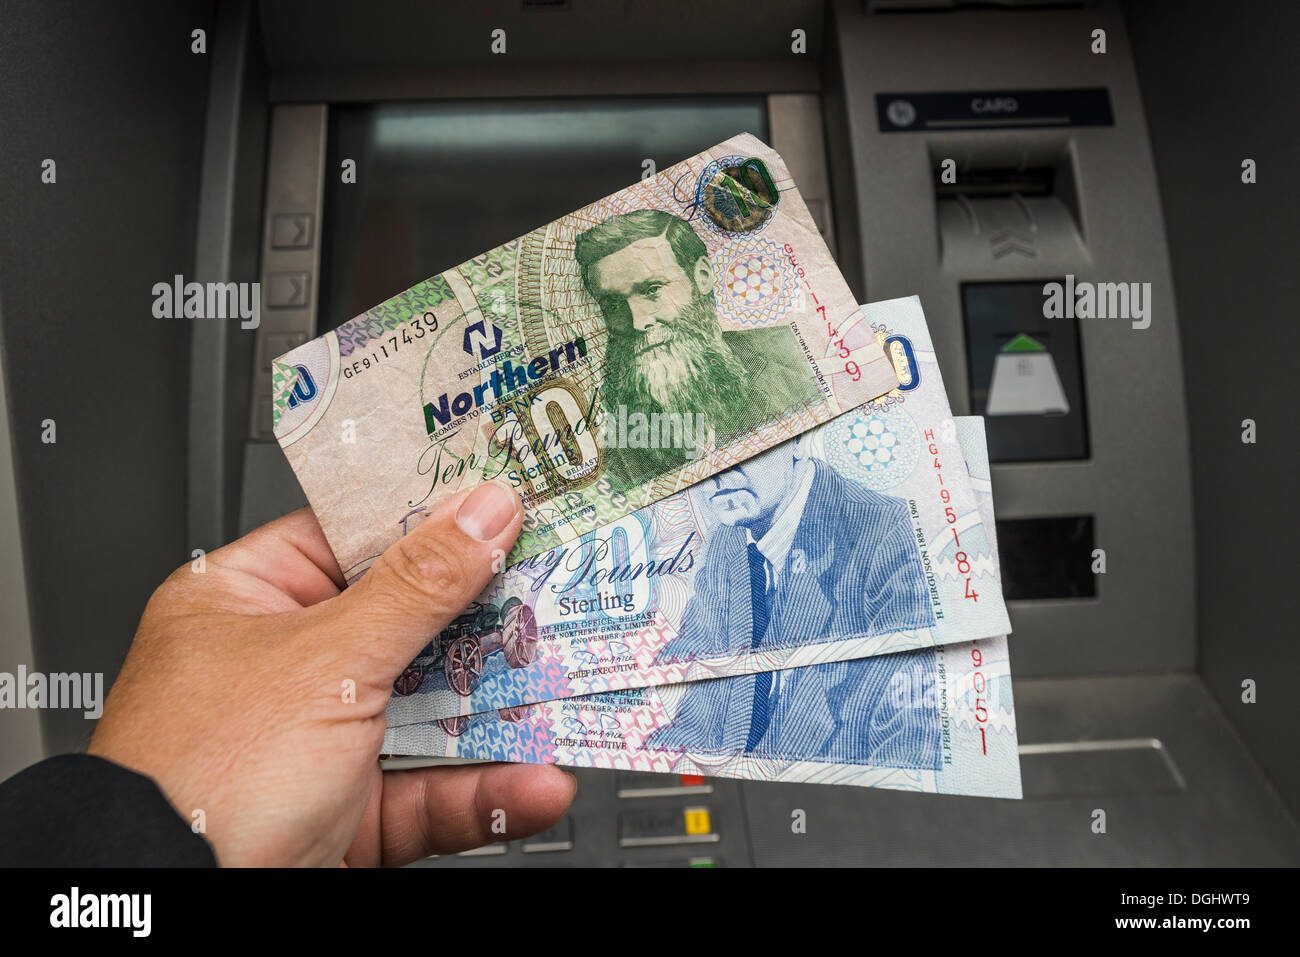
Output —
<point x="426" y="578"/>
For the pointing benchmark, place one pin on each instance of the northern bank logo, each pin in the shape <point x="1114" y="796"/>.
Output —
<point x="477" y="334"/>
<point x="505" y="380"/>
<point x="304" y="387"/>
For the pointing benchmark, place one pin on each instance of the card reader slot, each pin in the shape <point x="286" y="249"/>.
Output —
<point x="1006" y="200"/>
<point x="973" y="183"/>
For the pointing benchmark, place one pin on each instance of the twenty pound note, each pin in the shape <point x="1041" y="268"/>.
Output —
<point x="861" y="537"/>
<point x="939" y="719"/>
<point x="600" y="363"/>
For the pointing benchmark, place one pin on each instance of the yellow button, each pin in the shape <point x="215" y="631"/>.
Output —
<point x="697" y="820"/>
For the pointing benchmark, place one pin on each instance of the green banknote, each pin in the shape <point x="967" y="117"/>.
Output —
<point x="599" y="363"/>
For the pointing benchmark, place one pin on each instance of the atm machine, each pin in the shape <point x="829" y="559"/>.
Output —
<point x="970" y="154"/>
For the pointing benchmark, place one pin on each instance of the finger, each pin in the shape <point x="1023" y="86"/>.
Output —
<point x="426" y="578"/>
<point x="366" y="848"/>
<point x="445" y="810"/>
<point x="290" y="554"/>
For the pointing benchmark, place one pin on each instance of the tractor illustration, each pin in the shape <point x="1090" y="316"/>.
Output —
<point x="455" y="727"/>
<point x="484" y="629"/>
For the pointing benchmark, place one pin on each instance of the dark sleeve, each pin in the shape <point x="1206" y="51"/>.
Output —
<point x="77" y="810"/>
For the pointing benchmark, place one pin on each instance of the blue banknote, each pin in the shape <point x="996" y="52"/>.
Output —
<point x="858" y="538"/>
<point x="938" y="719"/>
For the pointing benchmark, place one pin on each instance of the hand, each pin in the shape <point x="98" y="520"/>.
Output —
<point x="232" y="697"/>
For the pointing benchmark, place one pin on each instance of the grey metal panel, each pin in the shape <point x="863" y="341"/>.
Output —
<point x="1225" y="814"/>
<point x="290" y="257"/>
<point x="411" y="49"/>
<point x="1136" y="482"/>
<point x="226" y="250"/>
<point x="598" y="812"/>
<point x="795" y="121"/>
<point x="21" y="743"/>
<point x="1233" y="248"/>
<point x="672" y="34"/>
<point x="526" y="80"/>
<point x="839" y="161"/>
<point x="115" y="96"/>
<point x="1154" y="752"/>
<point x="269" y="487"/>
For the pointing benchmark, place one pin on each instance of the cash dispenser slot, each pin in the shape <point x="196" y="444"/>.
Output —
<point x="1048" y="557"/>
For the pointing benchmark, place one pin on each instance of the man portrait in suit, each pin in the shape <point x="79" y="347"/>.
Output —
<point x="667" y="353"/>
<point x="800" y="555"/>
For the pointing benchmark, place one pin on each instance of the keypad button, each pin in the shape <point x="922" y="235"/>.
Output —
<point x="640" y="784"/>
<point x="666" y="825"/>
<point x="557" y="838"/>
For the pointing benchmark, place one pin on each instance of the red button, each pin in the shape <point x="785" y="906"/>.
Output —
<point x="691" y="780"/>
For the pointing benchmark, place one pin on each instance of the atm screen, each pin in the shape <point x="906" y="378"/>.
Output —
<point x="1026" y="373"/>
<point x="442" y="182"/>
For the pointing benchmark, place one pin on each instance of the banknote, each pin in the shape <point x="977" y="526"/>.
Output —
<point x="940" y="719"/>
<point x="860" y="537"/>
<point x="598" y="363"/>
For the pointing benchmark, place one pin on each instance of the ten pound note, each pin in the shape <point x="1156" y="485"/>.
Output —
<point x="939" y="719"/>
<point x="860" y="537"/>
<point x="599" y="363"/>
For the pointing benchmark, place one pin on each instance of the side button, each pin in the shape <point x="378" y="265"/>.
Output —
<point x="278" y="345"/>
<point x="291" y="231"/>
<point x="288" y="290"/>
<point x="557" y="838"/>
